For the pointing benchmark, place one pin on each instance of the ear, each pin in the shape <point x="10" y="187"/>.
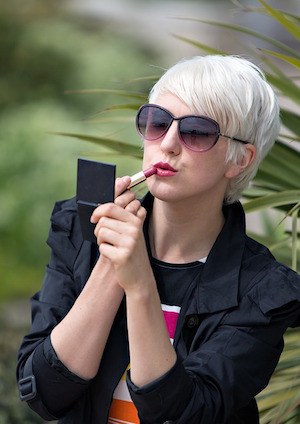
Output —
<point x="234" y="170"/>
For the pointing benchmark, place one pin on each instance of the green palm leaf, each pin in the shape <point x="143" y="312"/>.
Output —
<point x="279" y="171"/>
<point x="289" y="59"/>
<point x="207" y="49"/>
<point x="247" y="31"/>
<point x="286" y="86"/>
<point x="288" y="23"/>
<point x="117" y="107"/>
<point x="291" y="120"/>
<point x="123" y="93"/>
<point x="119" y="147"/>
<point x="282" y="198"/>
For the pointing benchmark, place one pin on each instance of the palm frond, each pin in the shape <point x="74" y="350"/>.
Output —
<point x="247" y="31"/>
<point x="288" y="23"/>
<point x="119" y="147"/>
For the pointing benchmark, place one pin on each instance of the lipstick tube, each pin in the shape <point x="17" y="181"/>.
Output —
<point x="141" y="176"/>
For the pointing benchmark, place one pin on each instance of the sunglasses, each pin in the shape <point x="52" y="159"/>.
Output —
<point x="197" y="133"/>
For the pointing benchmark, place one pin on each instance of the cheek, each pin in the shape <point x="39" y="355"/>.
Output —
<point x="150" y="153"/>
<point x="206" y="176"/>
<point x="210" y="162"/>
<point x="209" y="169"/>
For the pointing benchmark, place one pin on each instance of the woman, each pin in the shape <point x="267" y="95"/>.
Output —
<point x="178" y="291"/>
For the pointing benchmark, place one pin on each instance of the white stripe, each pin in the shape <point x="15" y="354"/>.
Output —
<point x="168" y="308"/>
<point x="114" y="421"/>
<point x="121" y="392"/>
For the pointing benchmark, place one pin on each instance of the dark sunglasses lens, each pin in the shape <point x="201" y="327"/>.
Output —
<point x="198" y="133"/>
<point x="152" y="122"/>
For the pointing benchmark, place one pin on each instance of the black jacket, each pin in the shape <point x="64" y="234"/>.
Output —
<point x="228" y="340"/>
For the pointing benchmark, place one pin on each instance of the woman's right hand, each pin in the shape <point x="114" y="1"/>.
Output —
<point x="124" y="198"/>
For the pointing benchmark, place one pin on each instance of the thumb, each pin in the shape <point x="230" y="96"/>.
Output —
<point x="121" y="185"/>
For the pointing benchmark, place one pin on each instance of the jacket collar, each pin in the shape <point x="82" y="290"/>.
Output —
<point x="219" y="281"/>
<point x="218" y="284"/>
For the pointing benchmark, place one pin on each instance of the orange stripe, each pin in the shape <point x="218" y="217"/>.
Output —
<point x="123" y="410"/>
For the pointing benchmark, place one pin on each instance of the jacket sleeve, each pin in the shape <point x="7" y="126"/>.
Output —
<point x="224" y="373"/>
<point x="44" y="382"/>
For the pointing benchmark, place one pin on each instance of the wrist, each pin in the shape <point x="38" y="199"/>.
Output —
<point x="141" y="293"/>
<point x="103" y="275"/>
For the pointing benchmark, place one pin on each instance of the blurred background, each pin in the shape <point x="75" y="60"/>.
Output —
<point x="54" y="55"/>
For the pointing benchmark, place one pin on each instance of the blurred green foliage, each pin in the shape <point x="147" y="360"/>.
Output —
<point x="45" y="52"/>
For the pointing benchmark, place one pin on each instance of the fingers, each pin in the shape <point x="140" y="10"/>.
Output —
<point x="117" y="232"/>
<point x="141" y="213"/>
<point x="107" y="235"/>
<point x="111" y="219"/>
<point x="133" y="207"/>
<point x="124" y="198"/>
<point x="117" y="213"/>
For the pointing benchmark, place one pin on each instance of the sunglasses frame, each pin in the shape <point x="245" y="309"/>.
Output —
<point x="218" y="134"/>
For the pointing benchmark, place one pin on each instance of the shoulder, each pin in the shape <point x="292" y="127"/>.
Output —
<point x="261" y="259"/>
<point x="272" y="286"/>
<point x="65" y="237"/>
<point x="64" y="213"/>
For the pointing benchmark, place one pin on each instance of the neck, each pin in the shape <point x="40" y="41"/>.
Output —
<point x="179" y="234"/>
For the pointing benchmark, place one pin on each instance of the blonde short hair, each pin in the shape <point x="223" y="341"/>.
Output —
<point x="234" y="92"/>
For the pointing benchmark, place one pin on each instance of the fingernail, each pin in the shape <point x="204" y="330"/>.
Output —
<point x="93" y="220"/>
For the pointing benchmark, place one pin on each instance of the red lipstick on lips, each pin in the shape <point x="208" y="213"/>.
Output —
<point x="164" y="169"/>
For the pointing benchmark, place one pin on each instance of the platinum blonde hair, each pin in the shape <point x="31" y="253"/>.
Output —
<point x="234" y="92"/>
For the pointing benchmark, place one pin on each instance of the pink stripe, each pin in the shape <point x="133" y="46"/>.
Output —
<point x="171" y="321"/>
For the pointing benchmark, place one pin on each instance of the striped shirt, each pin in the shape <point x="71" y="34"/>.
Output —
<point x="173" y="283"/>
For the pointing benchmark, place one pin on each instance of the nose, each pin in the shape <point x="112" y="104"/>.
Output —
<point x="170" y="142"/>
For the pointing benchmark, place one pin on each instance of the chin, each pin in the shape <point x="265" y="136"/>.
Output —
<point x="166" y="194"/>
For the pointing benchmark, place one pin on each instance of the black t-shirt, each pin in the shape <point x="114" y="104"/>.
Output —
<point x="174" y="280"/>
